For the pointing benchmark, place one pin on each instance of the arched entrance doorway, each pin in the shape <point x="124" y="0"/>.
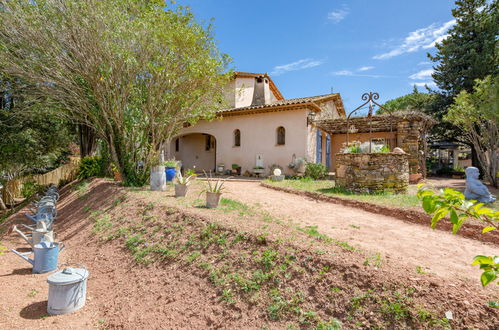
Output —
<point x="196" y="151"/>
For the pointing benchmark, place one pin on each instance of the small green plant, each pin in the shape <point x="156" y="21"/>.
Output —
<point x="235" y="166"/>
<point x="90" y="166"/>
<point x="227" y="296"/>
<point x="420" y="270"/>
<point x="384" y="149"/>
<point x="170" y="163"/>
<point x="352" y="148"/>
<point x="30" y="188"/>
<point x="217" y="187"/>
<point x="190" y="172"/>
<point x="102" y="224"/>
<point x="449" y="202"/>
<point x="183" y="179"/>
<point x="33" y="293"/>
<point x="316" y="171"/>
<point x="332" y="324"/>
<point x="193" y="256"/>
<point x="374" y="260"/>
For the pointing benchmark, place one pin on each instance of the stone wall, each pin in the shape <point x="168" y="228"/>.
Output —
<point x="374" y="172"/>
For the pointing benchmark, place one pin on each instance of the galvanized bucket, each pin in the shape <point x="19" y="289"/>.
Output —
<point x="67" y="290"/>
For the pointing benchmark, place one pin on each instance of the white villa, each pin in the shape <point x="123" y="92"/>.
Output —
<point x="260" y="129"/>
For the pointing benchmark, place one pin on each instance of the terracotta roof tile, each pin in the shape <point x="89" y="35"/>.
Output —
<point x="299" y="100"/>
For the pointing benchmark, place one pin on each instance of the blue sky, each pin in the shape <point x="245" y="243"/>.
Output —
<point x="311" y="46"/>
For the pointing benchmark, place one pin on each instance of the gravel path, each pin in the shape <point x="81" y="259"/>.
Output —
<point x="435" y="251"/>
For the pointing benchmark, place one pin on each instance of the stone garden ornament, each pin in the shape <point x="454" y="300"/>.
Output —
<point x="476" y="190"/>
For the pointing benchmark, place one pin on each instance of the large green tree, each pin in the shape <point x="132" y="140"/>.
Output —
<point x="414" y="101"/>
<point x="470" y="50"/>
<point x="468" y="53"/>
<point x="31" y="141"/>
<point x="477" y="113"/>
<point x="133" y="71"/>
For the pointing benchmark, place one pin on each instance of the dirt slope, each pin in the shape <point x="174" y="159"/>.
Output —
<point x="175" y="265"/>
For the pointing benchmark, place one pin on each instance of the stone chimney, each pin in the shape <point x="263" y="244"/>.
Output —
<point x="261" y="91"/>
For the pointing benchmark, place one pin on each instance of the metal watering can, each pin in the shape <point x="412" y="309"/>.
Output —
<point x="38" y="234"/>
<point x="46" y="256"/>
<point x="47" y="216"/>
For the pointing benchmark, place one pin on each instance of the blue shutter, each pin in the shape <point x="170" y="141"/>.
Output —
<point x="319" y="147"/>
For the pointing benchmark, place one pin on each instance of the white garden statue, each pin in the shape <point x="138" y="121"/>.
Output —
<point x="476" y="190"/>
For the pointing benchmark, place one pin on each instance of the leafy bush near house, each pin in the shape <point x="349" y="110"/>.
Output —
<point x="315" y="171"/>
<point x="90" y="166"/>
<point x="30" y="188"/>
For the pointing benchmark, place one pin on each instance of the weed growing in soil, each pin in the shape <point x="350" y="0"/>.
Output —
<point x="374" y="260"/>
<point x="420" y="270"/>
<point x="33" y="293"/>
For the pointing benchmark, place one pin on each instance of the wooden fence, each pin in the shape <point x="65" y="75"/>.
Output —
<point x="67" y="172"/>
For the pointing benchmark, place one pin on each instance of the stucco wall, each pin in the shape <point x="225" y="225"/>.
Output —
<point x="258" y="136"/>
<point x="193" y="153"/>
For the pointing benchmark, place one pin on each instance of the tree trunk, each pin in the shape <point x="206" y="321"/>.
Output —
<point x="87" y="140"/>
<point x="476" y="162"/>
<point x="2" y="204"/>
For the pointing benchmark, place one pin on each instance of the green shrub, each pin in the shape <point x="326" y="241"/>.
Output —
<point x="315" y="171"/>
<point x="90" y="166"/>
<point x="446" y="171"/>
<point x="30" y="188"/>
<point x="384" y="149"/>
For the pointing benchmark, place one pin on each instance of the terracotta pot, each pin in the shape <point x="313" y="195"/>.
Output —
<point x="117" y="176"/>
<point x="180" y="190"/>
<point x="212" y="199"/>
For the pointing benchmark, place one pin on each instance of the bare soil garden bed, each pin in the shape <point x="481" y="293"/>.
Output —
<point x="155" y="265"/>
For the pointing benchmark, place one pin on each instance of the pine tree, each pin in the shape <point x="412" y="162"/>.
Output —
<point x="469" y="52"/>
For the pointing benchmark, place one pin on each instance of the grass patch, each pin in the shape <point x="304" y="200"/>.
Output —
<point x="231" y="205"/>
<point x="327" y="187"/>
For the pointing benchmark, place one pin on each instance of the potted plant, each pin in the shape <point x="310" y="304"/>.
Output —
<point x="191" y="173"/>
<point x="236" y="169"/>
<point x="258" y="170"/>
<point x="213" y="191"/>
<point x="181" y="185"/>
<point x="171" y="169"/>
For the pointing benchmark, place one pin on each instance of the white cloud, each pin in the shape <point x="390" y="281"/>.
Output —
<point x="305" y="63"/>
<point x="422" y="75"/>
<point x="338" y="15"/>
<point x="423" y="38"/>
<point x="352" y="74"/>
<point x="343" y="73"/>
<point x="425" y="63"/>
<point x="365" y="68"/>
<point x="423" y="84"/>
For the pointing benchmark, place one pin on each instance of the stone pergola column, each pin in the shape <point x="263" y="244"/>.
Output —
<point x="408" y="133"/>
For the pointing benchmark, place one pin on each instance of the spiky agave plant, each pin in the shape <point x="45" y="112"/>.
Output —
<point x="183" y="179"/>
<point x="217" y="186"/>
